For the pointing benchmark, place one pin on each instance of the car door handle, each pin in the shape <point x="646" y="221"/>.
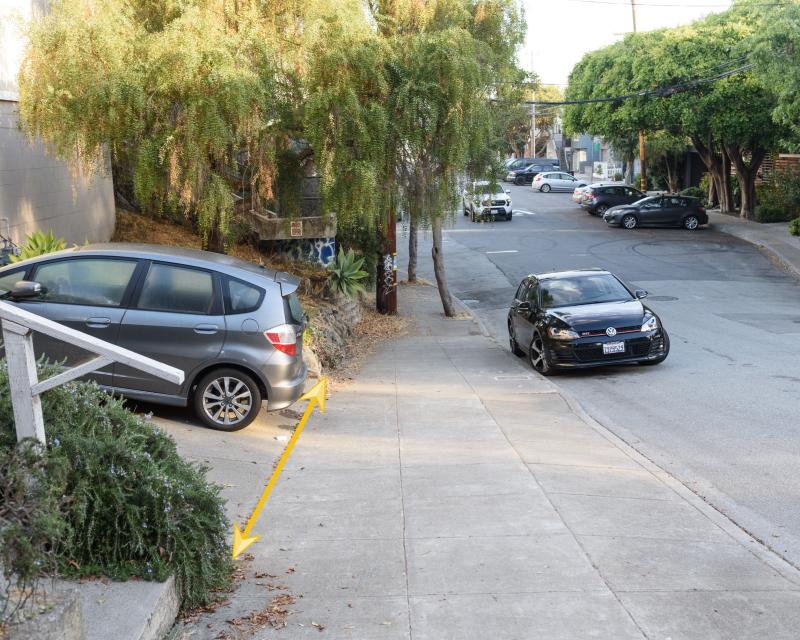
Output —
<point x="98" y="323"/>
<point x="206" y="329"/>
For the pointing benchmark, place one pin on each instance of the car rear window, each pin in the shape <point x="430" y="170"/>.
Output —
<point x="294" y="309"/>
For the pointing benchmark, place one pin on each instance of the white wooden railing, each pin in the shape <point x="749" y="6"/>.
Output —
<point x="18" y="326"/>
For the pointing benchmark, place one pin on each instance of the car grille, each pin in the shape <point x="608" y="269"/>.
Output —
<point x="602" y="332"/>
<point x="498" y="203"/>
<point x="638" y="347"/>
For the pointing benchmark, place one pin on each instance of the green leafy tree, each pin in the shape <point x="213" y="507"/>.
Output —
<point x="728" y="120"/>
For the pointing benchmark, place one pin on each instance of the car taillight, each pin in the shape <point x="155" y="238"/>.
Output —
<point x="283" y="338"/>
<point x="701" y="209"/>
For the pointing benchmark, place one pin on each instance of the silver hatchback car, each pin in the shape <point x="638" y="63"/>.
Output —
<point x="234" y="328"/>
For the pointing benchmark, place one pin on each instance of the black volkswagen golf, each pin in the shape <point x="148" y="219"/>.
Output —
<point x="583" y="318"/>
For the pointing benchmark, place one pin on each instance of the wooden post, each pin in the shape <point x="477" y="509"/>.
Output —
<point x="386" y="285"/>
<point x="22" y="377"/>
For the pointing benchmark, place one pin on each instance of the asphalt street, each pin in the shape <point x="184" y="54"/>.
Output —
<point x="722" y="413"/>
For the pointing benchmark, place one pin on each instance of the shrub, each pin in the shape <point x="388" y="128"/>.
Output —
<point x="132" y="505"/>
<point x="346" y="273"/>
<point x="618" y="176"/>
<point x="695" y="192"/>
<point x="31" y="521"/>
<point x="794" y="227"/>
<point x="773" y="213"/>
<point x="39" y="243"/>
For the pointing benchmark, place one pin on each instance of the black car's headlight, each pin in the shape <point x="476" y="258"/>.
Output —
<point x="650" y="322"/>
<point x="562" y="333"/>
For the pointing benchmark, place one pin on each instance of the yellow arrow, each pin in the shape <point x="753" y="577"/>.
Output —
<point x="242" y="539"/>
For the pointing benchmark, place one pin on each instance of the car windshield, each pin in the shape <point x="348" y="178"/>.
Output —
<point x="486" y="189"/>
<point x="590" y="289"/>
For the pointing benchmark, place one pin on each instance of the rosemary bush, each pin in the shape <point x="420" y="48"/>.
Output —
<point x="132" y="506"/>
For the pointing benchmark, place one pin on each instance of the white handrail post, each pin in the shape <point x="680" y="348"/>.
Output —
<point x="22" y="377"/>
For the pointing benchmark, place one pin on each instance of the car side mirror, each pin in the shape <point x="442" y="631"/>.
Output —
<point x="506" y="190"/>
<point x="524" y="306"/>
<point x="640" y="293"/>
<point x="25" y="290"/>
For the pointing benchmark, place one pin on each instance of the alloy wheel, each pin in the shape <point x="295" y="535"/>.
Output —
<point x="227" y="401"/>
<point x="601" y="209"/>
<point x="629" y="221"/>
<point x="545" y="188"/>
<point x="537" y="354"/>
<point x="690" y="223"/>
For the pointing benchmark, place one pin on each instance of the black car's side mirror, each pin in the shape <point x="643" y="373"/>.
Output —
<point x="524" y="306"/>
<point x="25" y="290"/>
<point x="640" y="293"/>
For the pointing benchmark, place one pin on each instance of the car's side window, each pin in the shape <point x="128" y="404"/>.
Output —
<point x="653" y="204"/>
<point x="522" y="290"/>
<point x="89" y="281"/>
<point x="8" y="280"/>
<point x="631" y="192"/>
<point x="676" y="202"/>
<point x="532" y="295"/>
<point x="242" y="297"/>
<point x="169" y="287"/>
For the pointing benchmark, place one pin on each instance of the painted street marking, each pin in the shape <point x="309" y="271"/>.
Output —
<point x="522" y="212"/>
<point x="506" y="251"/>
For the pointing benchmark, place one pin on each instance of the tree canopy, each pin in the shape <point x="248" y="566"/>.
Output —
<point x="727" y="118"/>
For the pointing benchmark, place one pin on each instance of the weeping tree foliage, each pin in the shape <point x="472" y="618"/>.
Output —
<point x="184" y="94"/>
<point x="397" y="113"/>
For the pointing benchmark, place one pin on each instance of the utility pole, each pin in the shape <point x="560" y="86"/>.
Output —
<point x="533" y="132"/>
<point x="386" y="283"/>
<point x="642" y="159"/>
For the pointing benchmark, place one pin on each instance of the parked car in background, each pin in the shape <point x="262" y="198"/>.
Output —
<point x="556" y="181"/>
<point x="583" y="318"/>
<point x="659" y="211"/>
<point x="234" y="328"/>
<point x="481" y="199"/>
<point x="577" y="195"/>
<point x="529" y="172"/>
<point x="598" y="200"/>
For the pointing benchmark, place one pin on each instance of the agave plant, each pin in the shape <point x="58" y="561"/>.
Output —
<point x="38" y="243"/>
<point x="346" y="273"/>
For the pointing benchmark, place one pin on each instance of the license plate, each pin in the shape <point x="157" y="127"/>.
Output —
<point x="613" y="347"/>
<point x="498" y="211"/>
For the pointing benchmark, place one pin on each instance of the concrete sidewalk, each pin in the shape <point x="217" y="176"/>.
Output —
<point x="772" y="238"/>
<point x="450" y="492"/>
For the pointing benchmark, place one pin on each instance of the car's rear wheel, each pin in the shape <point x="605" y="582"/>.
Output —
<point x="538" y="356"/>
<point x="691" y="223"/>
<point x="629" y="221"/>
<point x="227" y="399"/>
<point x="545" y="188"/>
<point x="518" y="181"/>
<point x="601" y="209"/>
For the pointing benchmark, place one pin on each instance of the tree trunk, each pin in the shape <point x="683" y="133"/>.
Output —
<point x="412" y="247"/>
<point x="716" y="164"/>
<point x="215" y="241"/>
<point x="438" y="267"/>
<point x="712" y="193"/>
<point x="746" y="175"/>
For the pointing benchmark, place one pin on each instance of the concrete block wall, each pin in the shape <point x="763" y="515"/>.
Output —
<point x="38" y="191"/>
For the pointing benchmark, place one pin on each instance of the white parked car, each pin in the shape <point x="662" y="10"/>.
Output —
<point x="482" y="201"/>
<point x="556" y="181"/>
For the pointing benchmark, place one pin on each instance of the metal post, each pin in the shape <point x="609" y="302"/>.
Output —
<point x="22" y="377"/>
<point x="642" y="159"/>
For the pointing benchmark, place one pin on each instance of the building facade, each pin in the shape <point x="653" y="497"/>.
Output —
<point x="38" y="191"/>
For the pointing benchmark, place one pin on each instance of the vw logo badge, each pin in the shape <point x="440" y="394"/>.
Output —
<point x="611" y="331"/>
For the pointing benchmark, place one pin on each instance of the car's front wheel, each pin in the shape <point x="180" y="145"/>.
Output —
<point x="227" y="399"/>
<point x="538" y="356"/>
<point x="629" y="221"/>
<point x="545" y="188"/>
<point x="691" y="223"/>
